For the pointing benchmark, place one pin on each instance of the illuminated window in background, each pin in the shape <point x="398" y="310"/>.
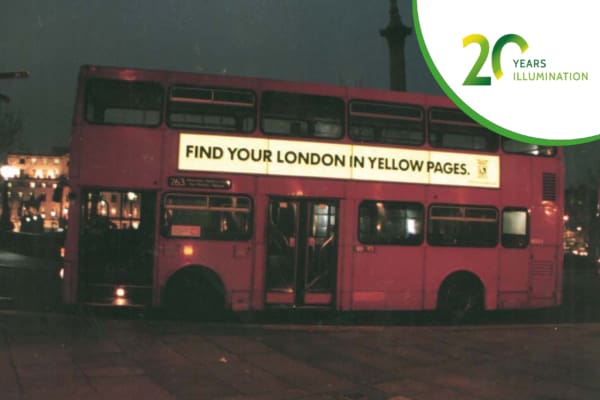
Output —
<point x="102" y="208"/>
<point x="109" y="214"/>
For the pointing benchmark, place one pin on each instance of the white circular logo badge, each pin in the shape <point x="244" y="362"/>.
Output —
<point x="525" y="69"/>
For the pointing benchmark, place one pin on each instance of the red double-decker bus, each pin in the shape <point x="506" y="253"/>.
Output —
<point x="208" y="192"/>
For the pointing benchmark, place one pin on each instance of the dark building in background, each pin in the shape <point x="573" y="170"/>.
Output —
<point x="582" y="221"/>
<point x="395" y="34"/>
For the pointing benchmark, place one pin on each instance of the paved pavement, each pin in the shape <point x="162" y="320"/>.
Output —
<point x="28" y="283"/>
<point x="79" y="356"/>
<point x="85" y="354"/>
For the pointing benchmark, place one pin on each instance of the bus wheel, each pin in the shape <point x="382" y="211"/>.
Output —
<point x="460" y="299"/>
<point x="195" y="293"/>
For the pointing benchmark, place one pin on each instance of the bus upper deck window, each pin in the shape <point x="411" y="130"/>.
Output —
<point x="212" y="109"/>
<point x="113" y="102"/>
<point x="302" y="115"/>
<point x="517" y="147"/>
<point x="452" y="129"/>
<point x="390" y="123"/>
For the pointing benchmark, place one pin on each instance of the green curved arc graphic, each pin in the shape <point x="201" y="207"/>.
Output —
<point x="472" y="113"/>
<point x="497" y="51"/>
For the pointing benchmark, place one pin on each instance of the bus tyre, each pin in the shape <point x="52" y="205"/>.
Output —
<point x="195" y="294"/>
<point x="460" y="299"/>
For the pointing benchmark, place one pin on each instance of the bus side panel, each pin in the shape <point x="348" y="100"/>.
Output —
<point x="545" y="269"/>
<point x="545" y="266"/>
<point x="346" y="263"/>
<point x="258" y="274"/>
<point x="385" y="276"/>
<point x="70" y="280"/>
<point x="513" y="278"/>
<point x="103" y="163"/>
<point x="231" y="261"/>
<point x="513" y="273"/>
<point x="384" y="280"/>
<point x="441" y="262"/>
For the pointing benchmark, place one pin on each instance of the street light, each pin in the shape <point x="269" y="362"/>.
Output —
<point x="7" y="172"/>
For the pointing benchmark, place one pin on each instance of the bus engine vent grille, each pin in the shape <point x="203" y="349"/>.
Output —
<point x="549" y="186"/>
<point x="541" y="268"/>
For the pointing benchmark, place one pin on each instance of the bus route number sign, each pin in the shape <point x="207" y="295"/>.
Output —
<point x="198" y="182"/>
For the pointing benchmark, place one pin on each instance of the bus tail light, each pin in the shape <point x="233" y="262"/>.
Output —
<point x="62" y="252"/>
<point x="61" y="273"/>
<point x="120" y="292"/>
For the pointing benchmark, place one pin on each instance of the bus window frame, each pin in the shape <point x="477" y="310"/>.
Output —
<point x="522" y="153"/>
<point x="308" y="135"/>
<point x="456" y="245"/>
<point x="385" y="117"/>
<point x="249" y="235"/>
<point x="466" y="122"/>
<point x="420" y="237"/>
<point x="255" y="108"/>
<point x="160" y="110"/>
<point x="504" y="241"/>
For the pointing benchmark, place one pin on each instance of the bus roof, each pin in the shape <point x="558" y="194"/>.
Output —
<point x="184" y="77"/>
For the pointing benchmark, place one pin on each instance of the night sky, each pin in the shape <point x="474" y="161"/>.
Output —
<point x="326" y="41"/>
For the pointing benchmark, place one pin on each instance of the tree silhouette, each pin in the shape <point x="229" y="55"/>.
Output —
<point x="11" y="125"/>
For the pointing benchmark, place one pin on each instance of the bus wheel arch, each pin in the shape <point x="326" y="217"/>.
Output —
<point x="194" y="292"/>
<point x="461" y="297"/>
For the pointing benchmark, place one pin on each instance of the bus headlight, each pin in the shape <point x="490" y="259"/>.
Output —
<point x="120" y="292"/>
<point x="188" y="250"/>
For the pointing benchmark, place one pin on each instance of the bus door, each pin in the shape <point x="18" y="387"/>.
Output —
<point x="116" y="247"/>
<point x="302" y="252"/>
